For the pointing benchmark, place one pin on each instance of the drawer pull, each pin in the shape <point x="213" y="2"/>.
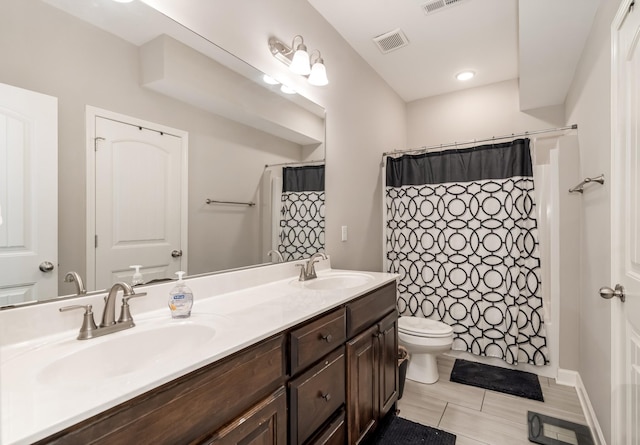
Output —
<point x="326" y="396"/>
<point x="326" y="338"/>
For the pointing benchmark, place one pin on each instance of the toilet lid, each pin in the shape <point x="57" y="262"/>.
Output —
<point x="423" y="327"/>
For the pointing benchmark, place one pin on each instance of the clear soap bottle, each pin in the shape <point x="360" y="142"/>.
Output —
<point x="180" y="299"/>
<point x="137" y="276"/>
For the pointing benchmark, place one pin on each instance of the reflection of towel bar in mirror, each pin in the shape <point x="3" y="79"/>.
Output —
<point x="580" y="187"/>
<point x="215" y="201"/>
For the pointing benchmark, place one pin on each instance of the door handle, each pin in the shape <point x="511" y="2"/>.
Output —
<point x="46" y="266"/>
<point x="608" y="293"/>
<point x="176" y="253"/>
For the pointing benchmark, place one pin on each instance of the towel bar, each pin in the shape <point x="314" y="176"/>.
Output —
<point x="580" y="187"/>
<point x="214" y="201"/>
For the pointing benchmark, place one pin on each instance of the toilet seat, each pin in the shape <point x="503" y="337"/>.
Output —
<point x="424" y="327"/>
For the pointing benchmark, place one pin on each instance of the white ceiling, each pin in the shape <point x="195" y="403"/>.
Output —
<point x="537" y="41"/>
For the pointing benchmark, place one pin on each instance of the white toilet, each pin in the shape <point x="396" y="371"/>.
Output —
<point x="424" y="339"/>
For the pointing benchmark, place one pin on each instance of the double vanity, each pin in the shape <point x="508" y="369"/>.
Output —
<point x="264" y="358"/>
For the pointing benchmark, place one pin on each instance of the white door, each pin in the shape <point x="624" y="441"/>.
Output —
<point x="625" y="252"/>
<point x="28" y="195"/>
<point x="140" y="201"/>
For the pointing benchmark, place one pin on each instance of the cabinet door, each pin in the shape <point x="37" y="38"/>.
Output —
<point x="362" y="386"/>
<point x="264" y="424"/>
<point x="388" y="362"/>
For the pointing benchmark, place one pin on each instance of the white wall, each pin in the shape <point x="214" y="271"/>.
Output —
<point x="364" y="116"/>
<point x="588" y="105"/>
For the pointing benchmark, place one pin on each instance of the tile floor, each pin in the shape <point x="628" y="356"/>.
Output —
<point x="482" y="417"/>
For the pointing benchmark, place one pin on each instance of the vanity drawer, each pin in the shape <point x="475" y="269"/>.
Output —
<point x="335" y="433"/>
<point x="366" y="310"/>
<point x="314" y="340"/>
<point x="315" y="395"/>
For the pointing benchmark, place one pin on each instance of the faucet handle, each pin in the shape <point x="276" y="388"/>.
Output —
<point x="125" y="313"/>
<point x="88" y="323"/>
<point x="303" y="273"/>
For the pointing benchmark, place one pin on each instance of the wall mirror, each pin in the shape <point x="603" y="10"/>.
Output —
<point x="254" y="157"/>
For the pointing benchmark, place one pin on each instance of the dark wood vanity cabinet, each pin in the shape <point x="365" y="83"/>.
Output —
<point x="264" y="424"/>
<point x="191" y="408"/>
<point x="372" y="372"/>
<point x="326" y="381"/>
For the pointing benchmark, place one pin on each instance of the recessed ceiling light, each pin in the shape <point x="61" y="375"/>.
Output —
<point x="123" y="1"/>
<point x="465" y="75"/>
<point x="270" y="80"/>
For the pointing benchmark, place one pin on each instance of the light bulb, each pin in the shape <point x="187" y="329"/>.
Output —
<point x="318" y="74"/>
<point x="270" y="80"/>
<point x="300" y="62"/>
<point x="465" y="75"/>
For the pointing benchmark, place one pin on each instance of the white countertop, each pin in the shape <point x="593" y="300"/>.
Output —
<point x="38" y="399"/>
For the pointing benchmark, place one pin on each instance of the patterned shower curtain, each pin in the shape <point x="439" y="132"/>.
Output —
<point x="461" y="233"/>
<point x="302" y="214"/>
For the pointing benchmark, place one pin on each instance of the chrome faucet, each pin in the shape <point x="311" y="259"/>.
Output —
<point x="74" y="277"/>
<point x="108" y="324"/>
<point x="278" y="255"/>
<point x="308" y="270"/>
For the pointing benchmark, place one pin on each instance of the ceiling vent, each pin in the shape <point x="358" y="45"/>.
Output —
<point x="439" y="5"/>
<point x="390" y="41"/>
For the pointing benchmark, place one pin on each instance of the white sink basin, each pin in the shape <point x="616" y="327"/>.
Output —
<point x="334" y="281"/>
<point x="128" y="351"/>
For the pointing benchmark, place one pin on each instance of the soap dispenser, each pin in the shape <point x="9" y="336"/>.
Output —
<point x="180" y="299"/>
<point x="137" y="276"/>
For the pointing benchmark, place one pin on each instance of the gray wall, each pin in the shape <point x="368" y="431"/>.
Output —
<point x="475" y="113"/>
<point x="589" y="105"/>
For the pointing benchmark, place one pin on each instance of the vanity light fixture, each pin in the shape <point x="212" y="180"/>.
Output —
<point x="298" y="60"/>
<point x="465" y="75"/>
<point x="123" y="1"/>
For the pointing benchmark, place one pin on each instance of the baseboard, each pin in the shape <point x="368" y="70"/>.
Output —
<point x="567" y="377"/>
<point x="572" y="378"/>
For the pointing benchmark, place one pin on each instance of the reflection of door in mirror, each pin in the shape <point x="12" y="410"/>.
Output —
<point x="28" y="195"/>
<point x="139" y="211"/>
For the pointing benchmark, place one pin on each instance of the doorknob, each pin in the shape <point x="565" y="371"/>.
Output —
<point x="608" y="293"/>
<point x="46" y="266"/>
<point x="176" y="253"/>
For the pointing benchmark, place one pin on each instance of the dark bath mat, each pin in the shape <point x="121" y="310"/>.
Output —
<point x="395" y="430"/>
<point x="508" y="381"/>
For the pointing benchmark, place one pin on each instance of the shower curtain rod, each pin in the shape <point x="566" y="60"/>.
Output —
<point x="475" y="141"/>
<point x="283" y="164"/>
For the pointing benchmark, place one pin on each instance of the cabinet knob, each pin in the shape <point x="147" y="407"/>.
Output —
<point x="326" y="396"/>
<point x="326" y="338"/>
